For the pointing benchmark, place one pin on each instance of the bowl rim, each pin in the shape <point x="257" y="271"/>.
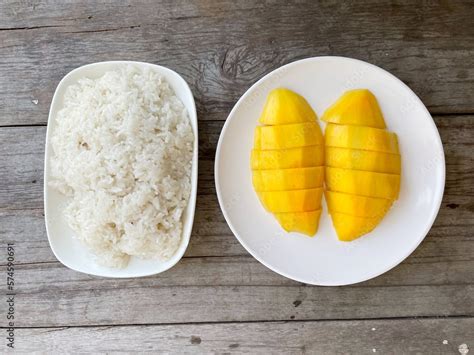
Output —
<point x="248" y="92"/>
<point x="189" y="212"/>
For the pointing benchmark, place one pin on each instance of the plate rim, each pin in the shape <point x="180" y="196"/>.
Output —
<point x="187" y="224"/>
<point x="440" y="192"/>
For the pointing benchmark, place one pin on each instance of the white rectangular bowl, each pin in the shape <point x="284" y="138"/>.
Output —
<point x="65" y="246"/>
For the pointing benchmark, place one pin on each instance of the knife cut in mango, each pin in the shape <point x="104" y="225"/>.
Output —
<point x="288" y="136"/>
<point x="300" y="157"/>
<point x="292" y="200"/>
<point x="361" y="137"/>
<point x="359" y="206"/>
<point x="363" y="160"/>
<point x="356" y="107"/>
<point x="287" y="162"/>
<point x="363" y="164"/>
<point x="365" y="183"/>
<point x="288" y="179"/>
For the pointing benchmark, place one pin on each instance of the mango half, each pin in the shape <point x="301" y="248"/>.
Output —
<point x="287" y="162"/>
<point x="363" y="164"/>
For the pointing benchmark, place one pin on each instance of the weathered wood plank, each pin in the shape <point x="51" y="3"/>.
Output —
<point x="233" y="271"/>
<point x="237" y="303"/>
<point x="84" y="305"/>
<point x="221" y="49"/>
<point x="401" y="336"/>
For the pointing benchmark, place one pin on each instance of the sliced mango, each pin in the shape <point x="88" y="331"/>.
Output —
<point x="363" y="164"/>
<point x="360" y="137"/>
<point x="365" y="183"/>
<point x="288" y="136"/>
<point x="350" y="227"/>
<point x="356" y="107"/>
<point x="292" y="200"/>
<point x="300" y="157"/>
<point x="300" y="222"/>
<point x="361" y="206"/>
<point x="287" y="161"/>
<point x="288" y="179"/>
<point x="363" y="160"/>
<point x="284" y="106"/>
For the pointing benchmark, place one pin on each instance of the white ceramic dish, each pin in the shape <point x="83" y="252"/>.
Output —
<point x="323" y="260"/>
<point x="69" y="250"/>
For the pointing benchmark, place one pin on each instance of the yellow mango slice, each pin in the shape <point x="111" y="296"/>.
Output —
<point x="352" y="227"/>
<point x="284" y="106"/>
<point x="287" y="161"/>
<point x="365" y="183"/>
<point x="288" y="136"/>
<point x="292" y="200"/>
<point x="363" y="160"/>
<point x="300" y="222"/>
<point x="300" y="157"/>
<point x="356" y="107"/>
<point x="363" y="164"/>
<point x="360" y="206"/>
<point x="288" y="179"/>
<point x="359" y="137"/>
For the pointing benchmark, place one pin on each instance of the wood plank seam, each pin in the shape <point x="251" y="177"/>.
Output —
<point x="329" y="320"/>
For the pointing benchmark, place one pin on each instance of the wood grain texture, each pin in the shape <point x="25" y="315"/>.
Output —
<point x="222" y="48"/>
<point x="58" y="301"/>
<point x="401" y="336"/>
<point x="219" y="299"/>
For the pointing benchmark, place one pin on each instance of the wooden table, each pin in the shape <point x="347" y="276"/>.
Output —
<point x="219" y="298"/>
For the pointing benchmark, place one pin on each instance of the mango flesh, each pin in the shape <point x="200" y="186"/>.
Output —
<point x="288" y="179"/>
<point x="292" y="200"/>
<point x="356" y="107"/>
<point x="351" y="227"/>
<point x="360" y="137"/>
<point x="288" y="162"/>
<point x="365" y="183"/>
<point x="300" y="157"/>
<point x="301" y="222"/>
<point x="359" y="206"/>
<point x="363" y="165"/>
<point x="288" y="136"/>
<point x="284" y="106"/>
<point x="363" y="160"/>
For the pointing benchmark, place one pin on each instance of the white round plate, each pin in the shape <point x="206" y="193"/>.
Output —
<point x="323" y="260"/>
<point x="67" y="249"/>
